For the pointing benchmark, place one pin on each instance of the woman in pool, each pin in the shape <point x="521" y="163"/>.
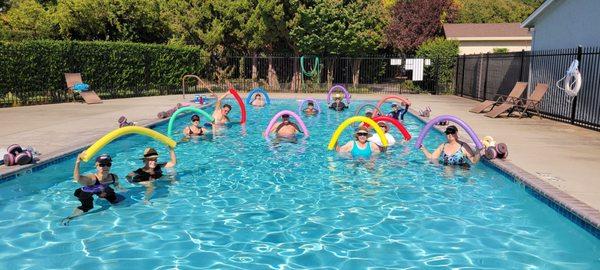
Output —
<point x="285" y="128"/>
<point x="377" y="140"/>
<point x="310" y="109"/>
<point x="337" y="104"/>
<point x="453" y="152"/>
<point x="360" y="147"/>
<point x="398" y="113"/>
<point x="258" y="101"/>
<point x="94" y="184"/>
<point x="195" y="129"/>
<point x="151" y="171"/>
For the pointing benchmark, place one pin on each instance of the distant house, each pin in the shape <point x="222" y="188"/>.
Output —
<point x="560" y="24"/>
<point x="475" y="38"/>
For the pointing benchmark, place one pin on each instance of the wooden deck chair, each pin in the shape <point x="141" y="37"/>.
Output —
<point x="533" y="101"/>
<point x="514" y="95"/>
<point x="514" y="104"/>
<point x="90" y="97"/>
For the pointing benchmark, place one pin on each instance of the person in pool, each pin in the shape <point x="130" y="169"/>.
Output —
<point x="151" y="171"/>
<point x="220" y="113"/>
<point x="285" y="128"/>
<point x="337" y="104"/>
<point x="94" y="184"/>
<point x="454" y="151"/>
<point x="195" y="129"/>
<point x="368" y="114"/>
<point x="398" y="113"/>
<point x="360" y="147"/>
<point x="258" y="101"/>
<point x="310" y="109"/>
<point x="377" y="140"/>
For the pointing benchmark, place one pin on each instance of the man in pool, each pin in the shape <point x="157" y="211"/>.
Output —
<point x="258" y="101"/>
<point x="285" y="128"/>
<point x="398" y="113"/>
<point x="337" y="104"/>
<point x="220" y="113"/>
<point x="151" y="171"/>
<point x="94" y="184"/>
<point x="310" y="109"/>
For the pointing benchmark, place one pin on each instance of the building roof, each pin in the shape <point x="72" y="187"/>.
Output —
<point x="530" y="21"/>
<point x="486" y="31"/>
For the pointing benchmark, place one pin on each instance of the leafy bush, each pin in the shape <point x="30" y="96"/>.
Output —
<point x="443" y="54"/>
<point x="32" y="68"/>
<point x="500" y="50"/>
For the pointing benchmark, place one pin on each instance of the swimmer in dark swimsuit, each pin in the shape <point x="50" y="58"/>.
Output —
<point x="398" y="113"/>
<point x="195" y="129"/>
<point x="151" y="171"/>
<point x="94" y="184"/>
<point x="338" y="105"/>
<point x="454" y="152"/>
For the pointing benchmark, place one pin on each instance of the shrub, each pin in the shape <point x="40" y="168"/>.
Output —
<point x="443" y="54"/>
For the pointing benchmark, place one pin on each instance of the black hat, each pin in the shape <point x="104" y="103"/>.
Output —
<point x="451" y="130"/>
<point x="104" y="159"/>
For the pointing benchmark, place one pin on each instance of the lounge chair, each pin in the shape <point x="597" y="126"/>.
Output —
<point x="514" y="95"/>
<point x="533" y="101"/>
<point x="511" y="105"/>
<point x="90" y="97"/>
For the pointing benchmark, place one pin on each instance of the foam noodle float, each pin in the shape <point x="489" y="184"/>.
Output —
<point x="375" y="109"/>
<point x="301" y="106"/>
<point x="255" y="91"/>
<point x="240" y="103"/>
<point x="182" y="110"/>
<point x="351" y="120"/>
<point x="337" y="86"/>
<point x="451" y="118"/>
<point x="111" y="136"/>
<point x="394" y="97"/>
<point x="292" y="114"/>
<point x="394" y="122"/>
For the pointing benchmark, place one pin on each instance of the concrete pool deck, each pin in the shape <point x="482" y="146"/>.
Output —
<point x="563" y="155"/>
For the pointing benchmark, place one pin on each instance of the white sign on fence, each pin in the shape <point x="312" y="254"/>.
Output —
<point x="395" y="62"/>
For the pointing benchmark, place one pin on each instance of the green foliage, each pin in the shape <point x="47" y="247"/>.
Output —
<point x="494" y="11"/>
<point x="500" y="50"/>
<point x="27" y="19"/>
<point x="38" y="67"/>
<point x="336" y="28"/>
<point x="443" y="54"/>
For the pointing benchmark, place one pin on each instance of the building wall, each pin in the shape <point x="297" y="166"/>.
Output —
<point x="477" y="47"/>
<point x="567" y="24"/>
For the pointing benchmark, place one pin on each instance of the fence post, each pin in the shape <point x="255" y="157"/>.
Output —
<point x="462" y="83"/>
<point x="521" y="68"/>
<point x="574" y="104"/>
<point x="436" y="76"/>
<point x="485" y="80"/>
<point x="456" y="74"/>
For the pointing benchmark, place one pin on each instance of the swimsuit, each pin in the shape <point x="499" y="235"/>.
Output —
<point x="361" y="153"/>
<point x="338" y="106"/>
<point x="200" y="133"/>
<point x="86" y="194"/>
<point x="143" y="176"/>
<point x="457" y="158"/>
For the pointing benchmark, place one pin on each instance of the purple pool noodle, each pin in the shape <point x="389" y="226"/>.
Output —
<point x="346" y="93"/>
<point x="454" y="119"/>
<point x="292" y="114"/>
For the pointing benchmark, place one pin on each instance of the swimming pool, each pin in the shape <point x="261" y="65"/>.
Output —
<point x="239" y="202"/>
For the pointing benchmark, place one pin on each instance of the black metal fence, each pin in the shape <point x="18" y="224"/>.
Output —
<point x="370" y="74"/>
<point x="485" y="76"/>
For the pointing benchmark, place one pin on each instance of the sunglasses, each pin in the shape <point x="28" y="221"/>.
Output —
<point x="362" y="134"/>
<point x="105" y="165"/>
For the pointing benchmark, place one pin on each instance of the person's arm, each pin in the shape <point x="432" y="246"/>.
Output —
<point x="218" y="102"/>
<point x="468" y="151"/>
<point x="375" y="148"/>
<point x="276" y="127"/>
<point x="173" y="160"/>
<point x="118" y="184"/>
<point x="296" y="127"/>
<point x="186" y="131"/>
<point x="81" y="179"/>
<point x="345" y="148"/>
<point x="434" y="155"/>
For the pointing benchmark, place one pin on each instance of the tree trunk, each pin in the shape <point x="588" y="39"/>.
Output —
<point x="355" y="72"/>
<point x="254" y="70"/>
<point x="330" y="65"/>
<point x="272" y="76"/>
<point x="296" y="83"/>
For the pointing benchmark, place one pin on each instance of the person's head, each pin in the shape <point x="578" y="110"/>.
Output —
<point x="451" y="133"/>
<point x="383" y="126"/>
<point x="362" y="134"/>
<point x="150" y="157"/>
<point x="226" y="109"/>
<point x="369" y="114"/>
<point x="311" y="105"/>
<point x="103" y="163"/>
<point x="394" y="107"/>
<point x="195" y="120"/>
<point x="258" y="96"/>
<point x="285" y="118"/>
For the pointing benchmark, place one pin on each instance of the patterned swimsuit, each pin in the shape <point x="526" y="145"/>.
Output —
<point x="457" y="158"/>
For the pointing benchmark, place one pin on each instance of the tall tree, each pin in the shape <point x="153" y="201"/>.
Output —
<point x="27" y="19"/>
<point x="494" y="11"/>
<point x="415" y="21"/>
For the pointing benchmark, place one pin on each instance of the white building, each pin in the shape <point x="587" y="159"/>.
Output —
<point x="561" y="24"/>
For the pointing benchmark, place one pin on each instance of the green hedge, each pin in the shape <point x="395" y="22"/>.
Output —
<point x="33" y="71"/>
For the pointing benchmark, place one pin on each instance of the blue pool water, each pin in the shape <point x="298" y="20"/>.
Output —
<point x="239" y="202"/>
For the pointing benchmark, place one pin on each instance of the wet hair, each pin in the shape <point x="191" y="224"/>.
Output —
<point x="369" y="114"/>
<point x="195" y="117"/>
<point x="227" y="106"/>
<point x="285" y="116"/>
<point x="311" y="104"/>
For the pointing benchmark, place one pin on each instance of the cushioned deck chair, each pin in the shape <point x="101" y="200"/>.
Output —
<point x="514" y="95"/>
<point x="514" y="104"/>
<point x="533" y="101"/>
<point x="90" y="97"/>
